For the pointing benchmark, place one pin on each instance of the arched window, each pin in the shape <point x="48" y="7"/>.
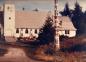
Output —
<point x="26" y="31"/>
<point x="17" y="30"/>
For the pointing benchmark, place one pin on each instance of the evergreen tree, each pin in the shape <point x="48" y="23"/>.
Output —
<point x="66" y="11"/>
<point x="47" y="32"/>
<point x="77" y="9"/>
<point x="77" y="18"/>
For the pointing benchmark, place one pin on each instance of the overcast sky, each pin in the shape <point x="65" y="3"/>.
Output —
<point x="43" y="4"/>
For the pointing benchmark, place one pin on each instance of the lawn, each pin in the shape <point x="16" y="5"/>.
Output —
<point x="72" y="50"/>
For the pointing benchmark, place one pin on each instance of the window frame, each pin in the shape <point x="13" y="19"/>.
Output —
<point x="17" y="30"/>
<point x="67" y="31"/>
<point x="8" y="8"/>
<point x="26" y="30"/>
<point x="9" y="18"/>
<point x="36" y="31"/>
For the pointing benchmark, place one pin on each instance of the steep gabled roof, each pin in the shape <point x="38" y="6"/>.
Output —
<point x="30" y="19"/>
<point x="36" y="19"/>
<point x="66" y="23"/>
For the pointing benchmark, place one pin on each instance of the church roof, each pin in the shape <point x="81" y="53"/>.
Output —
<point x="66" y="23"/>
<point x="36" y="19"/>
<point x="30" y="19"/>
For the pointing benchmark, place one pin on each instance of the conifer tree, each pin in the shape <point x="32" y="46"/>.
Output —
<point x="77" y="18"/>
<point x="46" y="34"/>
<point x="66" y="11"/>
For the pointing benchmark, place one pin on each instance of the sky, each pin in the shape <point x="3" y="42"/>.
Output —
<point x="43" y="4"/>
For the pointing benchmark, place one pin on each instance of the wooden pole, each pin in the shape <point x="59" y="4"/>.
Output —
<point x="56" y="23"/>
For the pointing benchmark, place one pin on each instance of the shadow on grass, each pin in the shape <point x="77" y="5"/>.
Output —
<point x="3" y="51"/>
<point x="39" y="53"/>
<point x="75" y="48"/>
<point x="30" y="52"/>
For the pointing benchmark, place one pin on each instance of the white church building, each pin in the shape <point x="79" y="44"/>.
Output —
<point x="14" y="24"/>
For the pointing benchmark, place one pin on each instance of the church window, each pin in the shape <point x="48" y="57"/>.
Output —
<point x="8" y="7"/>
<point x="26" y="31"/>
<point x="67" y="31"/>
<point x="17" y="30"/>
<point x="9" y="18"/>
<point x="60" y="23"/>
<point x="36" y="31"/>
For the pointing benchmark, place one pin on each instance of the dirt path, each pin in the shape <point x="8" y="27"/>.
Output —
<point x="15" y="55"/>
